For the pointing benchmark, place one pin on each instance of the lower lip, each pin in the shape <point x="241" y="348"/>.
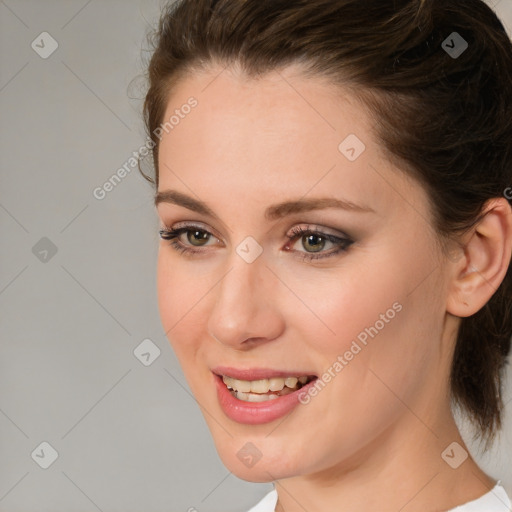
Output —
<point x="256" y="413"/>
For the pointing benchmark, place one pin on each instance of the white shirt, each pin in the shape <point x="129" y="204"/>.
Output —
<point x="496" y="500"/>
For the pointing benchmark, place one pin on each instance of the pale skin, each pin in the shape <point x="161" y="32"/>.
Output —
<point x="372" y="438"/>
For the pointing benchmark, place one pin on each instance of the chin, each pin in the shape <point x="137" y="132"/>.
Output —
<point x="242" y="458"/>
<point x="261" y="472"/>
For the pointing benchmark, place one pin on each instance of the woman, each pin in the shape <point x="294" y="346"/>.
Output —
<point x="332" y="181"/>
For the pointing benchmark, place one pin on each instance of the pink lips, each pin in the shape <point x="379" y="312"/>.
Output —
<point x="256" y="413"/>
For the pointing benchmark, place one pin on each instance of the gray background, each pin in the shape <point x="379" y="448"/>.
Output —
<point x="129" y="437"/>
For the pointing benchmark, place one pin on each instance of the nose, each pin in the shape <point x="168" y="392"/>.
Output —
<point x="245" y="311"/>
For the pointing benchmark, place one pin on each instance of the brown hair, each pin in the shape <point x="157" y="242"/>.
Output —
<point x="444" y="119"/>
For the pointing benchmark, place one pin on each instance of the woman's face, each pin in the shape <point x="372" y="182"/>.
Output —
<point x="367" y="318"/>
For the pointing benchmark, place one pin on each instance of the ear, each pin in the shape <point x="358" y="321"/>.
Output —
<point x="484" y="264"/>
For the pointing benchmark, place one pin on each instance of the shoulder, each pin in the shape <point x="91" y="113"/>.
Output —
<point x="496" y="500"/>
<point x="267" y="504"/>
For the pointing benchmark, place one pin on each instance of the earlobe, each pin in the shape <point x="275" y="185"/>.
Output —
<point x="487" y="255"/>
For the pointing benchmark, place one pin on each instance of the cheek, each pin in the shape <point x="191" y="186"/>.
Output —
<point x="337" y="306"/>
<point x="179" y="293"/>
<point x="168" y="290"/>
<point x="179" y="297"/>
<point x="387" y="331"/>
<point x="373" y="317"/>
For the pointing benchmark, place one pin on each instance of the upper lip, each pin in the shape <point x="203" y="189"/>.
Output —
<point x="257" y="373"/>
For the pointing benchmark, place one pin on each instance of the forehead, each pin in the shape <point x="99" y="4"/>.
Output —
<point x="280" y="134"/>
<point x="281" y="103"/>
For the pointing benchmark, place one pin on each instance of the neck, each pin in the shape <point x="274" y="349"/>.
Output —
<point x="402" y="470"/>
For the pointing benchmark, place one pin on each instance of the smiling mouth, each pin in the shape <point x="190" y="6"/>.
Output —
<point x="265" y="389"/>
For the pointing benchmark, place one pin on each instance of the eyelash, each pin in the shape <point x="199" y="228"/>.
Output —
<point x="172" y="236"/>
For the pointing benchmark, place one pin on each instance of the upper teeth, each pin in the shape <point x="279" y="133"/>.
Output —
<point x="263" y="385"/>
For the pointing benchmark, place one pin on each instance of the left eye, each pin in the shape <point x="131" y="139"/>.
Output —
<point x="316" y="240"/>
<point x="312" y="239"/>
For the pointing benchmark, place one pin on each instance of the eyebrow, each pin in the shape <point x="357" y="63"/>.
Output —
<point x="273" y="212"/>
